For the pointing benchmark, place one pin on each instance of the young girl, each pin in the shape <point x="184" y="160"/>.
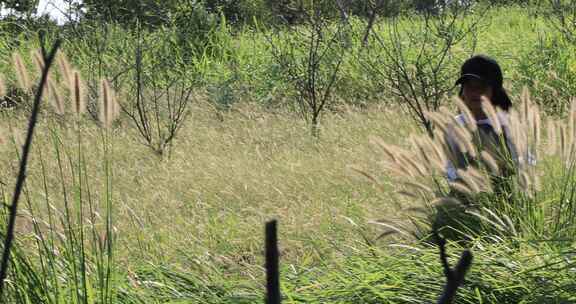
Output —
<point x="481" y="79"/>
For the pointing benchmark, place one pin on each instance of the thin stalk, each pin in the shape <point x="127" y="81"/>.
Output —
<point x="50" y="248"/>
<point x="81" y="212"/>
<point x="48" y="59"/>
<point x="66" y="223"/>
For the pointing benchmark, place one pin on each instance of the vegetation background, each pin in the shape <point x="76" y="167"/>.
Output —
<point x="167" y="203"/>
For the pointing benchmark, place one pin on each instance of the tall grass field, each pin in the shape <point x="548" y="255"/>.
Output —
<point x="155" y="166"/>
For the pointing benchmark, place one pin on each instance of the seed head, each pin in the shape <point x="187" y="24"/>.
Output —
<point x="408" y="194"/>
<point x="552" y="140"/>
<point x="428" y="153"/>
<point x="461" y="188"/>
<point x="490" y="112"/>
<point x="525" y="100"/>
<point x="419" y="187"/>
<point x="518" y="135"/>
<point x="464" y="138"/>
<point x="436" y="120"/>
<point x="389" y="151"/>
<point x="397" y="170"/>
<point x="436" y="147"/>
<point x="64" y="66"/>
<point x="55" y="98"/>
<point x="468" y="117"/>
<point x="536" y="126"/>
<point x="2" y="136"/>
<point x="446" y="201"/>
<point x="409" y="162"/>
<point x="469" y="180"/>
<point x="2" y="86"/>
<point x="21" y="72"/>
<point x="572" y="118"/>
<point x="481" y="179"/>
<point x="38" y="60"/>
<point x="524" y="181"/>
<point x="108" y="104"/>
<point x="77" y="93"/>
<point x="490" y="162"/>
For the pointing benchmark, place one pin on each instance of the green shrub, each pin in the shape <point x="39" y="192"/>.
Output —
<point x="550" y="70"/>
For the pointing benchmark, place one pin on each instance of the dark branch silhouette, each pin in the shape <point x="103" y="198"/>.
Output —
<point x="48" y="59"/>
<point x="272" y="272"/>
<point x="454" y="277"/>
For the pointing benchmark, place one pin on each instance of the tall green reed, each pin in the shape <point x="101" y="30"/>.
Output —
<point x="72" y="260"/>
<point x="48" y="56"/>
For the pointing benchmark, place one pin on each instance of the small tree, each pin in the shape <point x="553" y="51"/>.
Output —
<point x="310" y="57"/>
<point x="160" y="92"/>
<point x="414" y="56"/>
<point x="20" y="7"/>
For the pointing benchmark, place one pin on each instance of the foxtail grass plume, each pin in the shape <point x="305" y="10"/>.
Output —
<point x="409" y="162"/>
<point x="469" y="180"/>
<point x="397" y="170"/>
<point x="38" y="60"/>
<point x="566" y="144"/>
<point x="461" y="188"/>
<point x="510" y="224"/>
<point x="446" y="113"/>
<point x="537" y="181"/>
<point x="490" y="162"/>
<point x="572" y="118"/>
<point x="446" y="201"/>
<point x="437" y="120"/>
<point x="490" y="112"/>
<point x="2" y="86"/>
<point x="525" y="102"/>
<point x="385" y="147"/>
<point x="21" y="72"/>
<point x="468" y="117"/>
<point x="108" y="104"/>
<point x="64" y="66"/>
<point x="536" y="121"/>
<point x="524" y="181"/>
<point x="428" y="153"/>
<point x="438" y="152"/>
<point x="418" y="187"/>
<point x="480" y="178"/>
<point x="408" y="194"/>
<point x="2" y="136"/>
<point x="366" y="175"/>
<point x="551" y="137"/>
<point x="464" y="140"/>
<point x="77" y="93"/>
<point x="518" y="135"/>
<point x="55" y="98"/>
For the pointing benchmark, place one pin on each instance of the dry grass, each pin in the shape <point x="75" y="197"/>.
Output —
<point x="226" y="175"/>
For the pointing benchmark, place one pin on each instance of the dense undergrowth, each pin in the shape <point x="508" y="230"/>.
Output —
<point x="103" y="220"/>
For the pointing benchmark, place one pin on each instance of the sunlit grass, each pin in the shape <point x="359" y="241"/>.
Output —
<point x="188" y="226"/>
<point x="224" y="178"/>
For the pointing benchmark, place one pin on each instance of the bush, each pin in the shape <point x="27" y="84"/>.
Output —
<point x="550" y="70"/>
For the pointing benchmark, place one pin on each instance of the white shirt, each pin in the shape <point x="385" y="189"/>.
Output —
<point x="504" y="122"/>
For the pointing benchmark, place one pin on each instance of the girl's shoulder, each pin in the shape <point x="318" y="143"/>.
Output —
<point x="503" y="118"/>
<point x="460" y="119"/>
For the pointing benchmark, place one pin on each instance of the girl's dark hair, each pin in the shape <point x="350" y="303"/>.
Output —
<point x="484" y="68"/>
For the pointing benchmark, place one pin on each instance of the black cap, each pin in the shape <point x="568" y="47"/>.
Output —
<point x="486" y="69"/>
<point x="483" y="68"/>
